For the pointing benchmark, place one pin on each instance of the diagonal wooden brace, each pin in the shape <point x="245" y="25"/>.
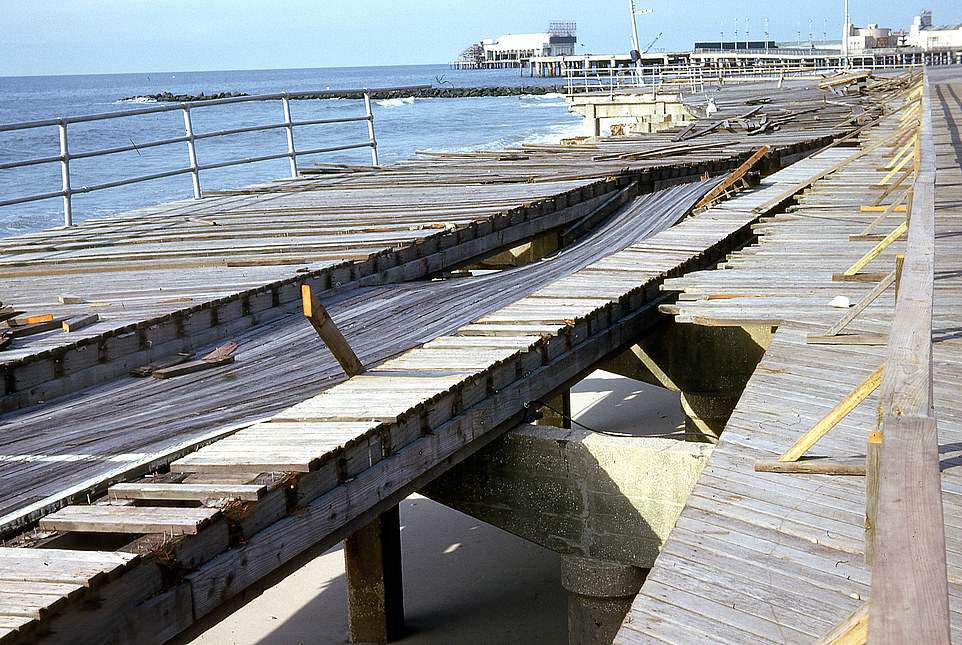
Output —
<point x="861" y="263"/>
<point x="315" y="312"/>
<point x="836" y="414"/>
<point x="860" y="306"/>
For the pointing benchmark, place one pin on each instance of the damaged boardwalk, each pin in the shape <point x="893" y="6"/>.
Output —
<point x="298" y="456"/>
<point x="788" y="556"/>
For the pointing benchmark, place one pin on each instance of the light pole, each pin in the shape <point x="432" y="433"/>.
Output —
<point x="845" y="32"/>
<point x="632" y="13"/>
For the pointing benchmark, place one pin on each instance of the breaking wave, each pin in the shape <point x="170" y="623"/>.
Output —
<point x="407" y="100"/>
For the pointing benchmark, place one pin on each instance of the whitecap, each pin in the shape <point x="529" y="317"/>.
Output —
<point x="137" y="99"/>
<point x="544" y="97"/>
<point x="407" y="100"/>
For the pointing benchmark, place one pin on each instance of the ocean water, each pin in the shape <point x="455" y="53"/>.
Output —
<point x="403" y="126"/>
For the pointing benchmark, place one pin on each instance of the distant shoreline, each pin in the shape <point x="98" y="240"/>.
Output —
<point x="433" y="92"/>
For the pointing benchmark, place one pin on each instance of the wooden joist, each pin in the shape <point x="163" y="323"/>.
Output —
<point x="185" y="492"/>
<point x="129" y="519"/>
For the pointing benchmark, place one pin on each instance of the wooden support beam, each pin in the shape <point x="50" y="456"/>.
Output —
<point x="38" y="325"/>
<point x="863" y="261"/>
<point x="559" y="412"/>
<point x="906" y="194"/>
<point x="836" y="414"/>
<point x="861" y="305"/>
<point x="76" y="324"/>
<point x="810" y="467"/>
<point x="718" y="191"/>
<point x="317" y="315"/>
<point x="899" y="263"/>
<point x="375" y="596"/>
<point x="873" y="455"/>
<point x="186" y="492"/>
<point x="848" y="339"/>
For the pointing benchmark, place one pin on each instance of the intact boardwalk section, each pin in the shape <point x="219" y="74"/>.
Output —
<point x="776" y="557"/>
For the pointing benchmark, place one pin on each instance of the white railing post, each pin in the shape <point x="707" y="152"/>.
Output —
<point x="65" y="175"/>
<point x="192" y="152"/>
<point x="370" y="128"/>
<point x="288" y="124"/>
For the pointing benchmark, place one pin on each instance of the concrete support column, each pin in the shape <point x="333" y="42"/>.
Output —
<point x="375" y="602"/>
<point x="599" y="597"/>
<point x="559" y="414"/>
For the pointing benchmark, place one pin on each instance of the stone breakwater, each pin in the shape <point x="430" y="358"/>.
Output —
<point x="432" y="92"/>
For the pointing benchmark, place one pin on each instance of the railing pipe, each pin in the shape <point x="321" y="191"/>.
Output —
<point x="370" y="128"/>
<point x="288" y="125"/>
<point x="190" y="138"/>
<point x="65" y="174"/>
<point x="192" y="152"/>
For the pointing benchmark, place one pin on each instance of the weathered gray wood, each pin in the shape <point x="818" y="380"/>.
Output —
<point x="129" y="519"/>
<point x="201" y="492"/>
<point x="321" y="321"/>
<point x="375" y="594"/>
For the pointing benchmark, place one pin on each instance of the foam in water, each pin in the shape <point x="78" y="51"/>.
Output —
<point x="137" y="99"/>
<point x="407" y="100"/>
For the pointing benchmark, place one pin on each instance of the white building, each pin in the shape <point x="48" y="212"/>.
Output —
<point x="923" y="34"/>
<point x="517" y="47"/>
<point x="870" y="37"/>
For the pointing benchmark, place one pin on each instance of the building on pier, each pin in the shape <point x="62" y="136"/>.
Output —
<point x="515" y="50"/>
<point x="926" y="36"/>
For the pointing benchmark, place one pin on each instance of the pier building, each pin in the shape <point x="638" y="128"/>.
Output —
<point x="515" y="50"/>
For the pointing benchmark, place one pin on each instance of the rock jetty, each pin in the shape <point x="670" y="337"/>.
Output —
<point x="432" y="92"/>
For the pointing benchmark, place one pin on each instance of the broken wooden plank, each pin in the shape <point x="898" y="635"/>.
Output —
<point x="147" y="370"/>
<point x="223" y="355"/>
<point x="317" y="315"/>
<point x="76" y="324"/>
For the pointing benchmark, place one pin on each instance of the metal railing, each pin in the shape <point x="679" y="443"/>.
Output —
<point x="194" y="167"/>
<point x="693" y="78"/>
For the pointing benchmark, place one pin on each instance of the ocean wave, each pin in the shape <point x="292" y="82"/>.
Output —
<point x="542" y="105"/>
<point x="407" y="100"/>
<point x="544" y="97"/>
<point x="137" y="99"/>
<point x="552" y="135"/>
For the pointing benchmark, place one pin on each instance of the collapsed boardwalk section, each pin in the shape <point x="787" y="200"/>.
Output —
<point x="363" y="445"/>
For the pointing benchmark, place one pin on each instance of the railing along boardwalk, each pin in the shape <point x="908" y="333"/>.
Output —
<point x="194" y="168"/>
<point x="766" y="556"/>
<point x="468" y="382"/>
<point x="909" y="588"/>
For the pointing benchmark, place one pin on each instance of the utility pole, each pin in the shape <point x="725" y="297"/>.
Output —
<point x="845" y="32"/>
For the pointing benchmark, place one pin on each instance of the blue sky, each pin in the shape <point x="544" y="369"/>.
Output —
<point x="113" y="36"/>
